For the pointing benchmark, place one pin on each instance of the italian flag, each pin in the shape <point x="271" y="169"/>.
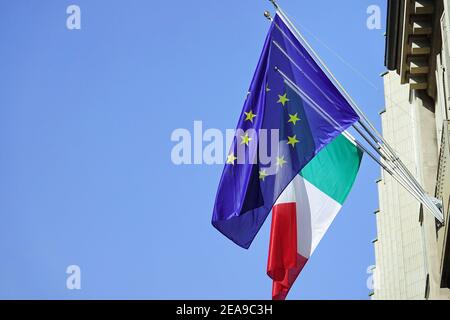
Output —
<point x="306" y="209"/>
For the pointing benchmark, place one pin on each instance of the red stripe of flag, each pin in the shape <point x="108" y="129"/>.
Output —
<point x="285" y="264"/>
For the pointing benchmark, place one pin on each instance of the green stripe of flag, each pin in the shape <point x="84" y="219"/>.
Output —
<point x="334" y="169"/>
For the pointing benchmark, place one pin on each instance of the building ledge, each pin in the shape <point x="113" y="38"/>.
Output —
<point x="408" y="42"/>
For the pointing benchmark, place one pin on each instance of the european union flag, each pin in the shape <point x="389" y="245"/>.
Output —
<point x="291" y="98"/>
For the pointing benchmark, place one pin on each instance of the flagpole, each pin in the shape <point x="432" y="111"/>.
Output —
<point x="384" y="149"/>
<point x="405" y="183"/>
<point x="320" y="62"/>
<point x="376" y="136"/>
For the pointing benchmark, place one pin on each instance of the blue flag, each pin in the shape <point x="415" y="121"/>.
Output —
<point x="291" y="113"/>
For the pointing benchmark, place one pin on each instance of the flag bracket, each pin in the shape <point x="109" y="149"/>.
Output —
<point x="438" y="203"/>
<point x="275" y="4"/>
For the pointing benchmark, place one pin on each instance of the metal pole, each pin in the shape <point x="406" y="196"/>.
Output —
<point x="378" y="148"/>
<point x="367" y="125"/>
<point x="380" y="140"/>
<point x="398" y="176"/>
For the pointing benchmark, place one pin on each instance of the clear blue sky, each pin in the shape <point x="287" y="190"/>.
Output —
<point x="86" y="176"/>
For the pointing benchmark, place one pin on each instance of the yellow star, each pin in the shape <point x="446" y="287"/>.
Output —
<point x="281" y="162"/>
<point x="231" y="159"/>
<point x="250" y="116"/>
<point x="293" y="118"/>
<point x="267" y="88"/>
<point x="262" y="175"/>
<point x="245" y="139"/>
<point x="283" y="99"/>
<point x="293" y="141"/>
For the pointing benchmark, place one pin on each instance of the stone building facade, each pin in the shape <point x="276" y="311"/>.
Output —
<point x="412" y="249"/>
